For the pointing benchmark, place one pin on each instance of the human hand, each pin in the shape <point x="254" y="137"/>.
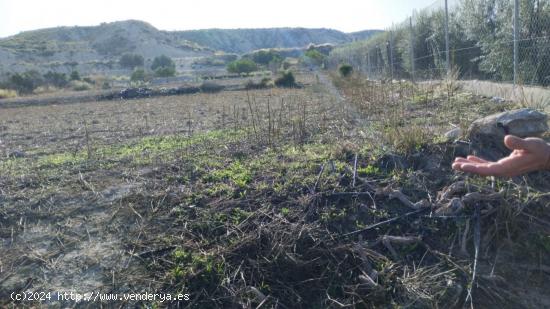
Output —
<point x="529" y="154"/>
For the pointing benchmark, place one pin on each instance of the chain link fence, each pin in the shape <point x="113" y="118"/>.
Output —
<point x="505" y="41"/>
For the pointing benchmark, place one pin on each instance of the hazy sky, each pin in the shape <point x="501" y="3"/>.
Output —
<point x="345" y="15"/>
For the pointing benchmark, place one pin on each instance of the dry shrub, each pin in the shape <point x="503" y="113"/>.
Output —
<point x="7" y="93"/>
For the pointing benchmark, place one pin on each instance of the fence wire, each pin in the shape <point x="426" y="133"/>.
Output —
<point x="481" y="37"/>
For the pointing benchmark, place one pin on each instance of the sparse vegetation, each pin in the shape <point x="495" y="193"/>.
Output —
<point x="163" y="66"/>
<point x="7" y="94"/>
<point x="286" y="80"/>
<point x="75" y="75"/>
<point x="131" y="61"/>
<point x="242" y="66"/>
<point x="345" y="70"/>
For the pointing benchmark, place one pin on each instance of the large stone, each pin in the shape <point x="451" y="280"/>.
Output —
<point x="487" y="134"/>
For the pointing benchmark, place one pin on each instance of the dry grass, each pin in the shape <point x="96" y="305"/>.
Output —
<point x="267" y="198"/>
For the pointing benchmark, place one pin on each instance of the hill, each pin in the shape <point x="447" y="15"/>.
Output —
<point x="96" y="49"/>
<point x="245" y="40"/>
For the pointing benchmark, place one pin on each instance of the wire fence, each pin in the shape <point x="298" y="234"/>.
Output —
<point x="496" y="40"/>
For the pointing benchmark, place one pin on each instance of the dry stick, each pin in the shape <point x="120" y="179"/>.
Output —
<point x="88" y="146"/>
<point x="354" y="171"/>
<point x="251" y="114"/>
<point x="318" y="178"/>
<point x="477" y="236"/>
<point x="370" y="227"/>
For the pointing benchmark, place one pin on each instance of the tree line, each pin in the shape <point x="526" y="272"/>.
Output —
<point x="480" y="38"/>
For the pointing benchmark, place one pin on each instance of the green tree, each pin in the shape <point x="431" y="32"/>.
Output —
<point x="165" y="72"/>
<point x="345" y="70"/>
<point x="316" y="56"/>
<point x="163" y="66"/>
<point x="264" y="57"/>
<point x="25" y="82"/>
<point x="242" y="66"/>
<point x="131" y="61"/>
<point x="56" y="79"/>
<point x="162" y="61"/>
<point x="75" y="75"/>
<point x="138" y="75"/>
<point x="286" y="80"/>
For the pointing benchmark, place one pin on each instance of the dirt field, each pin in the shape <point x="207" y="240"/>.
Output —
<point x="320" y="197"/>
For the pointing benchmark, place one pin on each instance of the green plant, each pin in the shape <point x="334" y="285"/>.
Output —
<point x="286" y="80"/>
<point x="264" y="57"/>
<point x="242" y="66"/>
<point x="131" y="61"/>
<point x="75" y="75"/>
<point x="315" y="55"/>
<point x="80" y="85"/>
<point x="163" y="61"/>
<point x="25" y="82"/>
<point x="163" y="66"/>
<point x="56" y="79"/>
<point x="138" y="75"/>
<point x="165" y="71"/>
<point x="345" y="70"/>
<point x="210" y="87"/>
<point x="7" y="93"/>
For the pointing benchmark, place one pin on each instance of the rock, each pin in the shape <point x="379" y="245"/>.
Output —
<point x="522" y="122"/>
<point x="453" y="134"/>
<point x="497" y="100"/>
<point x="487" y="134"/>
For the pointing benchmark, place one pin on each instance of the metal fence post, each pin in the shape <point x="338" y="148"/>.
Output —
<point x="391" y="54"/>
<point x="447" y="38"/>
<point x="412" y="48"/>
<point x="516" y="38"/>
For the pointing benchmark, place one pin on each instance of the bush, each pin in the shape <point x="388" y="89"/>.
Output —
<point x="163" y="66"/>
<point x="7" y="93"/>
<point x="242" y="66"/>
<point x="26" y="82"/>
<point x="75" y="75"/>
<point x="77" y="85"/>
<point x="264" y="83"/>
<point x="163" y="61"/>
<point x="345" y="70"/>
<point x="266" y="56"/>
<point x="58" y="80"/>
<point x="138" y="75"/>
<point x="286" y="80"/>
<point x="165" y="71"/>
<point x="210" y="87"/>
<point x="131" y="61"/>
<point x="316" y="56"/>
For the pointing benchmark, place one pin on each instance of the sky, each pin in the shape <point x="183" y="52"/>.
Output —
<point x="343" y="15"/>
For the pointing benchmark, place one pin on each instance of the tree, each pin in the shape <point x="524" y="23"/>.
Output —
<point x="75" y="75"/>
<point x="242" y="66"/>
<point x="163" y="66"/>
<point x="25" y="82"/>
<point x="286" y="80"/>
<point x="345" y="70"/>
<point x="163" y="61"/>
<point x="58" y="80"/>
<point x="316" y="56"/>
<point x="165" y="71"/>
<point x="138" y="75"/>
<point x="131" y="61"/>
<point x="264" y="57"/>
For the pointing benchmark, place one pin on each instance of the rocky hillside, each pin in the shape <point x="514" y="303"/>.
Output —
<point x="97" y="48"/>
<point x="245" y="40"/>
